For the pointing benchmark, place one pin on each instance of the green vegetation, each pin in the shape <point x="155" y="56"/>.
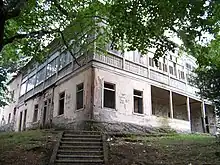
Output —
<point x="28" y="27"/>
<point x="171" y="149"/>
<point x="31" y="147"/>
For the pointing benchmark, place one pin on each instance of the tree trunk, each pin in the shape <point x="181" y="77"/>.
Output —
<point x="2" y="25"/>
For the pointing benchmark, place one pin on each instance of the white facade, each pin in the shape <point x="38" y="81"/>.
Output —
<point x="112" y="88"/>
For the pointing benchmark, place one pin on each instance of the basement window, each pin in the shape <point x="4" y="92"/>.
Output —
<point x="138" y="102"/>
<point x="35" y="113"/>
<point x="109" y="95"/>
<point x="61" y="103"/>
<point x="79" y="96"/>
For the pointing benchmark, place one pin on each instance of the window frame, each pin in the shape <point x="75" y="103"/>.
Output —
<point x="78" y="91"/>
<point x="103" y="94"/>
<point x="35" y="109"/>
<point x="60" y="98"/>
<point x="142" y="101"/>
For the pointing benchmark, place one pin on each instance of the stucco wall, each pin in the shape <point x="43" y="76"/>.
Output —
<point x="14" y="86"/>
<point x="124" y="103"/>
<point x="69" y="86"/>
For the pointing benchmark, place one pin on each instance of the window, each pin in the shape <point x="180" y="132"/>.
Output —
<point x="109" y="95"/>
<point x="61" y="103"/>
<point x="31" y="83"/>
<point x="79" y="96"/>
<point x="174" y="65"/>
<point x="40" y="76"/>
<point x="164" y="59"/>
<point x="12" y="94"/>
<point x="171" y="57"/>
<point x="181" y="75"/>
<point x="159" y="65"/>
<point x="138" y="102"/>
<point x="171" y="70"/>
<point x="14" y="111"/>
<point x="151" y="62"/>
<point x="188" y="66"/>
<point x="23" y="88"/>
<point x="51" y="68"/>
<point x="9" y="118"/>
<point x="165" y="67"/>
<point x="35" y="113"/>
<point x="63" y="60"/>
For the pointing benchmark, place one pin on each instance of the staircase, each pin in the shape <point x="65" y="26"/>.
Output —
<point x="81" y="148"/>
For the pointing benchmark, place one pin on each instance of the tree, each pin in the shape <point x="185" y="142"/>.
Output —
<point x="29" y="26"/>
<point x="207" y="77"/>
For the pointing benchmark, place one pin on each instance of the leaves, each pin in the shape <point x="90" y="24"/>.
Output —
<point x="31" y="27"/>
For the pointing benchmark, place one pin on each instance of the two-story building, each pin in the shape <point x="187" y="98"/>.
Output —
<point x="109" y="89"/>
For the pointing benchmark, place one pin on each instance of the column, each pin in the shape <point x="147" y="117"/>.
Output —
<point x="203" y="116"/>
<point x="188" y="108"/>
<point x="171" y="105"/>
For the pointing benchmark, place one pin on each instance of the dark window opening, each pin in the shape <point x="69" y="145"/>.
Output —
<point x="61" y="103"/>
<point x="14" y="111"/>
<point x="9" y="118"/>
<point x="79" y="96"/>
<point x="151" y="62"/>
<point x="165" y="67"/>
<point x="138" y="102"/>
<point x="171" y="70"/>
<point x="35" y="113"/>
<point x="109" y="95"/>
<point x="25" y="118"/>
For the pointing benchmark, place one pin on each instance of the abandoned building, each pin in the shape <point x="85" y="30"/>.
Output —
<point x="113" y="88"/>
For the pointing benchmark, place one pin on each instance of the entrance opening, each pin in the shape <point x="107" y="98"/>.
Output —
<point x="179" y="107"/>
<point x="20" y="121"/>
<point x="160" y="102"/>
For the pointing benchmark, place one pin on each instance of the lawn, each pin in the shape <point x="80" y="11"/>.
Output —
<point x="26" y="148"/>
<point x="175" y="149"/>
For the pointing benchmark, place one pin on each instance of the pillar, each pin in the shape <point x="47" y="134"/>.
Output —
<point x="171" y="105"/>
<point x="188" y="108"/>
<point x="203" y="116"/>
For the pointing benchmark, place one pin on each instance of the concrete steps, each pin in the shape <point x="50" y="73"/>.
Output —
<point x="81" y="148"/>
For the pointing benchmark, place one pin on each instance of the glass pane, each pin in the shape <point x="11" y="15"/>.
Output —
<point x="23" y="88"/>
<point x="31" y="83"/>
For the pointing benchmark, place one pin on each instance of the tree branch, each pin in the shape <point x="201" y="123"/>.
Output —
<point x="34" y="34"/>
<point x="67" y="46"/>
<point x="60" y="8"/>
<point x="17" y="9"/>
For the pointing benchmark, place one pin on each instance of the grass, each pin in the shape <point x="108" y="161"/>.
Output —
<point x="172" y="149"/>
<point x="28" y="147"/>
<point x="26" y="139"/>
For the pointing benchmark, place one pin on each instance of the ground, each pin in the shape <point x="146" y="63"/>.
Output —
<point x="176" y="149"/>
<point x="35" y="148"/>
<point x="26" y="148"/>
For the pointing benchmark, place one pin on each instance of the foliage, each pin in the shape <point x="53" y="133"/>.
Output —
<point x="207" y="77"/>
<point x="33" y="27"/>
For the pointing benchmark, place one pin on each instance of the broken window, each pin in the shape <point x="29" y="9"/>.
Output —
<point x="61" y="103"/>
<point x="35" y="113"/>
<point x="109" y="95"/>
<point x="79" y="96"/>
<point x="138" y="101"/>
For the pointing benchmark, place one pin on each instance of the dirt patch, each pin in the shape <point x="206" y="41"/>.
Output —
<point x="165" y="150"/>
<point x="27" y="148"/>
